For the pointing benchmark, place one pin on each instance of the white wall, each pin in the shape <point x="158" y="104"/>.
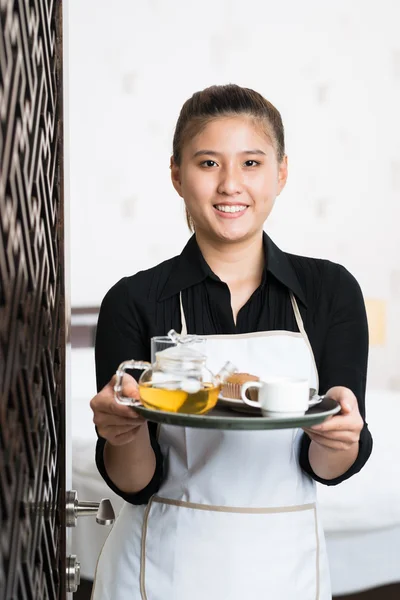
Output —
<point x="331" y="68"/>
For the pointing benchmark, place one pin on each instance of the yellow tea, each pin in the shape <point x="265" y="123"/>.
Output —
<point x="173" y="400"/>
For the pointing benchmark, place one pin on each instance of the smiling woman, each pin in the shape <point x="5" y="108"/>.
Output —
<point x="237" y="135"/>
<point x="213" y="513"/>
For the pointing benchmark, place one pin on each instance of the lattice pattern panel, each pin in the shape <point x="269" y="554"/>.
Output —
<point x="32" y="332"/>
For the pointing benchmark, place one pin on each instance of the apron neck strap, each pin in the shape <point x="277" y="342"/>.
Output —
<point x="297" y="315"/>
<point x="303" y="332"/>
<point x="183" y="319"/>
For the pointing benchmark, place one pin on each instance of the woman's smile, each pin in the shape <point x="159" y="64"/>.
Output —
<point x="230" y="211"/>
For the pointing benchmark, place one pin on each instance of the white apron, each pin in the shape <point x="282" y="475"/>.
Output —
<point x="236" y="516"/>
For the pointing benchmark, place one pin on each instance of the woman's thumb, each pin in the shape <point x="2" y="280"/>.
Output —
<point x="346" y="406"/>
<point x="341" y="395"/>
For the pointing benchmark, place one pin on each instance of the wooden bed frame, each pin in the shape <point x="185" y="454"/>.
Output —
<point x="388" y="592"/>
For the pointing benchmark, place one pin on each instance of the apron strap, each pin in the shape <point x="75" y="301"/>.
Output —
<point x="183" y="319"/>
<point x="303" y="332"/>
<point x="297" y="315"/>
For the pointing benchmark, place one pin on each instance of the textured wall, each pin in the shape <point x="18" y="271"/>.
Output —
<point x="332" y="69"/>
<point x="32" y="303"/>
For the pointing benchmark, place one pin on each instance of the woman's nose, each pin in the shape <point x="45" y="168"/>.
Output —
<point x="230" y="182"/>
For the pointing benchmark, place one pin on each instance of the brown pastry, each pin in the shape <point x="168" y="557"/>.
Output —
<point x="231" y="388"/>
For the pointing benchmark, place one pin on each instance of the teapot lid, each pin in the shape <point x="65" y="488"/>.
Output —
<point x="181" y="352"/>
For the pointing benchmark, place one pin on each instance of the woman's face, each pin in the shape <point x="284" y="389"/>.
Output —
<point x="229" y="178"/>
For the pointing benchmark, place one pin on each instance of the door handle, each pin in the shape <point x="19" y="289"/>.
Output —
<point x="103" y="510"/>
<point x="73" y="578"/>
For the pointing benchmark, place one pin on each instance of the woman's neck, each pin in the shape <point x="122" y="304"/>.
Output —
<point x="236" y="261"/>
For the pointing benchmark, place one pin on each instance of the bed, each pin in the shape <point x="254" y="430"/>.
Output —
<point x="361" y="516"/>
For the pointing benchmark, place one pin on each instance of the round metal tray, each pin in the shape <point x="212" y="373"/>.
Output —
<point x="222" y="417"/>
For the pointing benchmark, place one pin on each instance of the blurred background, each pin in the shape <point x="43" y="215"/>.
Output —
<point x="333" y="71"/>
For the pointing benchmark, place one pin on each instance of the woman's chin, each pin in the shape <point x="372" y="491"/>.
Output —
<point x="232" y="234"/>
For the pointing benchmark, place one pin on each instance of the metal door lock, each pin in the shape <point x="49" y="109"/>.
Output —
<point x="73" y="573"/>
<point x="103" y="510"/>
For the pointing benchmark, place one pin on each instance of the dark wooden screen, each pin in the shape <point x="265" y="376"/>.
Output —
<point x="32" y="331"/>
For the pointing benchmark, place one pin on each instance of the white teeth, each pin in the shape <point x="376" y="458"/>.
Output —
<point x="230" y="209"/>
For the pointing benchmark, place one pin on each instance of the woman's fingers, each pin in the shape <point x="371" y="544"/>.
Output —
<point x="340" y="436"/>
<point x="328" y="433"/>
<point x="115" y="422"/>
<point x="130" y="388"/>
<point x="106" y="419"/>
<point x="103" y="419"/>
<point x="115" y="430"/>
<point x="340" y="441"/>
<point x="334" y="423"/>
<point x="110" y="432"/>
<point x="104" y="401"/>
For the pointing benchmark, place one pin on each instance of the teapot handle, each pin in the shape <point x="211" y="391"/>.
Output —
<point x="227" y="370"/>
<point x="128" y="364"/>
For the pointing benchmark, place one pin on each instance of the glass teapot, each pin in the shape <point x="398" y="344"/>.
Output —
<point x="178" y="381"/>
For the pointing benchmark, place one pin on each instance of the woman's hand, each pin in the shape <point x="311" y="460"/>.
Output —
<point x="335" y="443"/>
<point x="340" y="432"/>
<point x="116" y="423"/>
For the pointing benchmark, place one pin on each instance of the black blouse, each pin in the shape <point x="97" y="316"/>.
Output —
<point x="147" y="304"/>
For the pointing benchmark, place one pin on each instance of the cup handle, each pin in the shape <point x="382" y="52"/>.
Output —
<point x="246" y="386"/>
<point x="316" y="399"/>
<point x="128" y="364"/>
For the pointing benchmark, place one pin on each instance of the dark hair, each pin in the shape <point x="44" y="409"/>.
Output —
<point x="222" y="101"/>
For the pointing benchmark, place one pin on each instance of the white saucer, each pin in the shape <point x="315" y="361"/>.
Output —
<point x="238" y="405"/>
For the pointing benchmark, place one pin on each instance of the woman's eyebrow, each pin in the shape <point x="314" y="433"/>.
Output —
<point x="214" y="153"/>
<point x="255" y="151"/>
<point x="208" y="152"/>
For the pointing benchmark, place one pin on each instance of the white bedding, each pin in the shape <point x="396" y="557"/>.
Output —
<point x="364" y="560"/>
<point x="371" y="499"/>
<point x="361" y="516"/>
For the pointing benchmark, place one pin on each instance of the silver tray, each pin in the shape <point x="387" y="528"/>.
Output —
<point x="222" y="417"/>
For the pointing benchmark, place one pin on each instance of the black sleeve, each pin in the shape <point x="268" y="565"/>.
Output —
<point x="344" y="362"/>
<point x="120" y="337"/>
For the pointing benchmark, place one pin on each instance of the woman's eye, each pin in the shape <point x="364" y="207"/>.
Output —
<point x="208" y="163"/>
<point x="251" y="163"/>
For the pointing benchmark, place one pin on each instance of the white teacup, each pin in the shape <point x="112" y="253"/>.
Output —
<point x="278" y="397"/>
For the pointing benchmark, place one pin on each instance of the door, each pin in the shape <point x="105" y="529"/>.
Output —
<point x="32" y="303"/>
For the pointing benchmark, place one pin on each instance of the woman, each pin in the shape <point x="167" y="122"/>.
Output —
<point x="219" y="514"/>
